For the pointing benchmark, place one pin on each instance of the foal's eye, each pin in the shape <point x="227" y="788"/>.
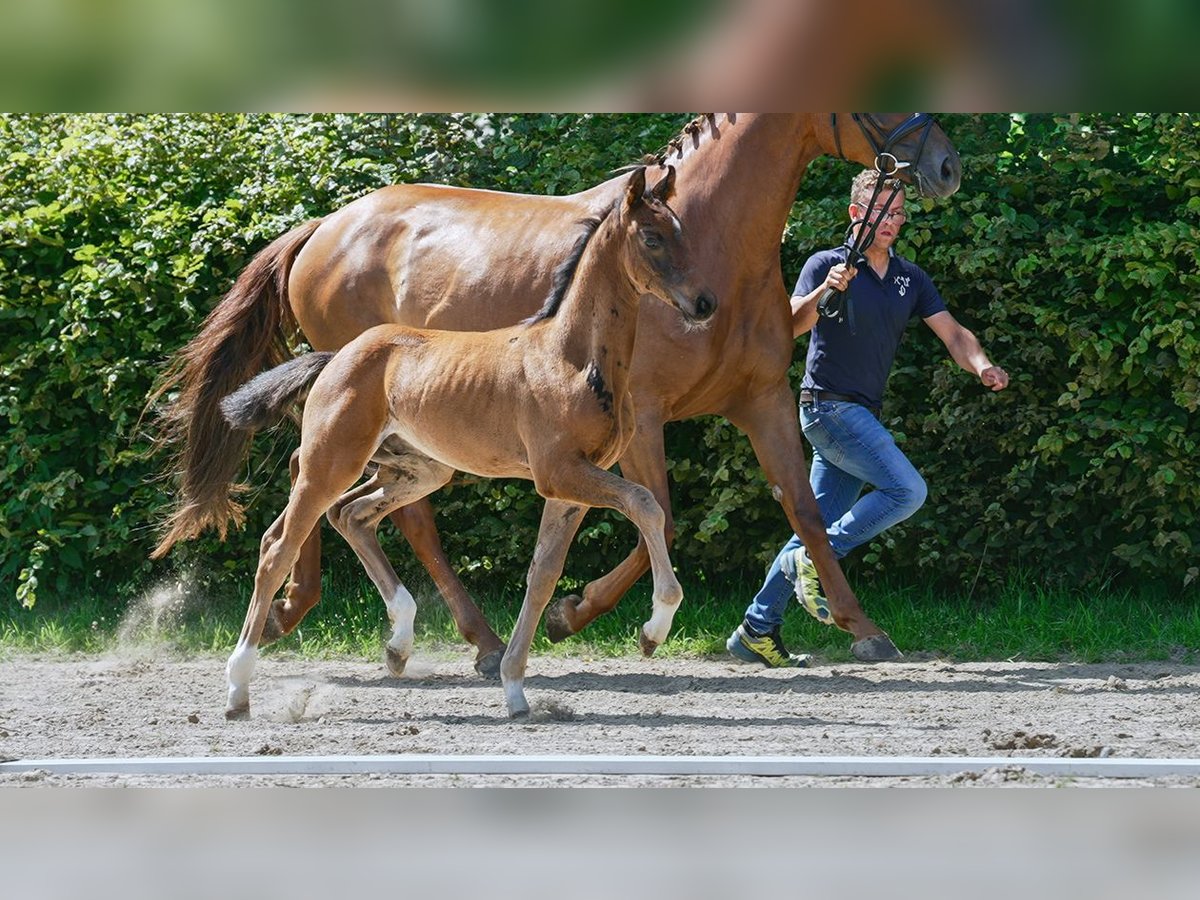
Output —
<point x="651" y="240"/>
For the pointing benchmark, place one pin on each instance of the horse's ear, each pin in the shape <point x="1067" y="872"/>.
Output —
<point x="637" y="187"/>
<point x="665" y="187"/>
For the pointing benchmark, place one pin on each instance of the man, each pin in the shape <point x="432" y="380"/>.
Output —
<point x="841" y="398"/>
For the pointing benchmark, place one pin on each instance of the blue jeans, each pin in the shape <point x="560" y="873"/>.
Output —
<point x="850" y="449"/>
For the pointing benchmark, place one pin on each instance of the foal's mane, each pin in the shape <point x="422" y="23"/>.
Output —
<point x="564" y="274"/>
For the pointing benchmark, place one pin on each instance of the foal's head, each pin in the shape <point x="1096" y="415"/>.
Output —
<point x="656" y="256"/>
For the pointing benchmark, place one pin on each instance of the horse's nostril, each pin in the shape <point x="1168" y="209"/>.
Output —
<point x="705" y="306"/>
<point x="949" y="169"/>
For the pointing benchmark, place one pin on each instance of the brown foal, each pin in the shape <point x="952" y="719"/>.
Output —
<point x="547" y="400"/>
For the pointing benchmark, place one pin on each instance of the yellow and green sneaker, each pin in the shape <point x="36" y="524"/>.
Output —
<point x="748" y="646"/>
<point x="801" y="572"/>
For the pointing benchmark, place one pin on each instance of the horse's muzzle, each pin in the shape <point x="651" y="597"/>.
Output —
<point x="940" y="178"/>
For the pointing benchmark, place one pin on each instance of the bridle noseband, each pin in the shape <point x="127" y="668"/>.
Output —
<point x="882" y="141"/>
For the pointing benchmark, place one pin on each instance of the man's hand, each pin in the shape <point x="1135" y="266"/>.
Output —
<point x="839" y="276"/>
<point x="994" y="377"/>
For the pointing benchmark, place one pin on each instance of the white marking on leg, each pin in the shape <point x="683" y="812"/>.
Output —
<point x="665" y="604"/>
<point x="512" y="674"/>
<point x="514" y="696"/>
<point x="238" y="671"/>
<point x="402" y="610"/>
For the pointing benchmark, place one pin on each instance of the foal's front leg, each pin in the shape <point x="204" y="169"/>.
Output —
<point x="590" y="485"/>
<point x="560" y="521"/>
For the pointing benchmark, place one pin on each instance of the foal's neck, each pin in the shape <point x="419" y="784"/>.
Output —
<point x="597" y="323"/>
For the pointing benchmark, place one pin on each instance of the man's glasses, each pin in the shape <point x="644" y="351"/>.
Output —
<point x="897" y="215"/>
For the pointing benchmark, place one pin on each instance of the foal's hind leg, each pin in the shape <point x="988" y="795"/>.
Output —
<point x="415" y="521"/>
<point x="303" y="589"/>
<point x="277" y="554"/>
<point x="356" y="515"/>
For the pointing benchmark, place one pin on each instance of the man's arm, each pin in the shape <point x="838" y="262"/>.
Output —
<point x="804" y="309"/>
<point x="965" y="349"/>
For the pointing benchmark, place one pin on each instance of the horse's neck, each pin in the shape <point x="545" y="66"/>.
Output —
<point x="596" y="325"/>
<point x="738" y="187"/>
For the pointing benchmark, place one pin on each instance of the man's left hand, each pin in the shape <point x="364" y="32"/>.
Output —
<point x="994" y="377"/>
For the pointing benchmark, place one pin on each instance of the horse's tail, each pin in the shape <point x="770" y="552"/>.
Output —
<point x="246" y="332"/>
<point x="262" y="402"/>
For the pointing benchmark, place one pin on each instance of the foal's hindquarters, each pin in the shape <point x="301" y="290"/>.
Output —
<point x="341" y="433"/>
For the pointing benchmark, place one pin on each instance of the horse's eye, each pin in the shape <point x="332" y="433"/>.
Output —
<point x="651" y="240"/>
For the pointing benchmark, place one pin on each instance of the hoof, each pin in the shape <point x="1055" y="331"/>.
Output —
<point x="877" y="648"/>
<point x="395" y="662"/>
<point x="238" y="714"/>
<point x="519" y="714"/>
<point x="648" y="646"/>
<point x="488" y="665"/>
<point x="557" y="626"/>
<point x="273" y="627"/>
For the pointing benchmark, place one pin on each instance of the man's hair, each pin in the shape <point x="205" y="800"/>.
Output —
<point x="864" y="186"/>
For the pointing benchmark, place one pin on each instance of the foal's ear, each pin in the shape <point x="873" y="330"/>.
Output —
<point x="636" y="188"/>
<point x="665" y="187"/>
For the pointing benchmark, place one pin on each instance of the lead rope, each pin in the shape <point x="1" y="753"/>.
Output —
<point x="835" y="304"/>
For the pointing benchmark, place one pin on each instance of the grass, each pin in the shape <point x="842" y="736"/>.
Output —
<point x="1022" y="620"/>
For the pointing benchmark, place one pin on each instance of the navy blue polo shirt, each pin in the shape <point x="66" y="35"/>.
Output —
<point x="858" y="364"/>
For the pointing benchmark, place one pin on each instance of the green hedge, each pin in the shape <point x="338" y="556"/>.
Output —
<point x="1071" y="250"/>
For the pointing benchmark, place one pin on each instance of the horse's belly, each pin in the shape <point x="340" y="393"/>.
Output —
<point x="466" y="448"/>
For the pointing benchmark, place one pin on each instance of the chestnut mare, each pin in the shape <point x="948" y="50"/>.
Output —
<point x="428" y="255"/>
<point x="547" y="400"/>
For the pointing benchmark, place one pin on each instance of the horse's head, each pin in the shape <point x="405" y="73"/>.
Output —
<point x="911" y="146"/>
<point x="657" y="256"/>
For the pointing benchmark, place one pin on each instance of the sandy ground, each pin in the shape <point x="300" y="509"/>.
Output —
<point x="147" y="703"/>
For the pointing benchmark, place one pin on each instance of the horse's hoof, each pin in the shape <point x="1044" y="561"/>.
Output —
<point x="557" y="626"/>
<point x="519" y="714"/>
<point x="648" y="646"/>
<point x="238" y="714"/>
<point x="876" y="648"/>
<point x="272" y="628"/>
<point x="395" y="661"/>
<point x="488" y="665"/>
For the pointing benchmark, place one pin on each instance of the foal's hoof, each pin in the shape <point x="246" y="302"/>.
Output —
<point x="648" y="646"/>
<point x="272" y="628"/>
<point x="557" y="626"/>
<point x="488" y="665"/>
<point x="238" y="714"/>
<point x="396" y="661"/>
<point x="876" y="648"/>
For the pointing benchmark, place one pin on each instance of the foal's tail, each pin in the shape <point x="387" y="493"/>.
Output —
<point x="245" y="333"/>
<point x="262" y="402"/>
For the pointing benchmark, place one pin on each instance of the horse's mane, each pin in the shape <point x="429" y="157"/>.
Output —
<point x="564" y="274"/>
<point x="692" y="130"/>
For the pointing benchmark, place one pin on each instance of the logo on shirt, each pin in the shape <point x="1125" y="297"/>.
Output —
<point x="902" y="281"/>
